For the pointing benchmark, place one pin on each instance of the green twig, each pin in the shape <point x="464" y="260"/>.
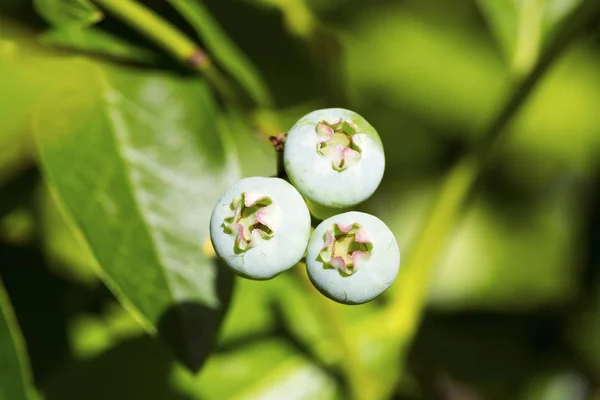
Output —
<point x="225" y="51"/>
<point x="404" y="312"/>
<point x="159" y="31"/>
<point x="171" y="39"/>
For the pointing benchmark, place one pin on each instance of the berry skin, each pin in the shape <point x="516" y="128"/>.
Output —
<point x="260" y="227"/>
<point x="335" y="159"/>
<point x="352" y="257"/>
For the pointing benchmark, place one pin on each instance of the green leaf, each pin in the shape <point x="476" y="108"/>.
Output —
<point x="309" y="321"/>
<point x="138" y="161"/>
<point x="270" y="369"/>
<point x="523" y="27"/>
<point x="141" y="368"/>
<point x="16" y="382"/>
<point x="98" y="42"/>
<point x="502" y="16"/>
<point x="110" y="346"/>
<point x="65" y="248"/>
<point x="68" y="12"/>
<point x="224" y="50"/>
<point x="21" y="88"/>
<point x="240" y="324"/>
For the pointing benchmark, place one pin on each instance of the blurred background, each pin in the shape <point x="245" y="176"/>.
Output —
<point x="497" y="299"/>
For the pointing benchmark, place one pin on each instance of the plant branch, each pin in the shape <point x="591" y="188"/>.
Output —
<point x="159" y="31"/>
<point x="171" y="39"/>
<point x="404" y="312"/>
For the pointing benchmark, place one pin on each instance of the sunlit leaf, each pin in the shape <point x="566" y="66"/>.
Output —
<point x="139" y="164"/>
<point x="22" y="89"/>
<point x="265" y="370"/>
<point x="240" y="324"/>
<point x="66" y="249"/>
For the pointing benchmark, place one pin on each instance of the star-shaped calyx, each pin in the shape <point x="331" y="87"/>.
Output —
<point x="252" y="219"/>
<point x="346" y="248"/>
<point x="339" y="142"/>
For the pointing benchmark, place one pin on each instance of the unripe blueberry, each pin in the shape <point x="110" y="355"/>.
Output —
<point x="352" y="257"/>
<point x="260" y="227"/>
<point x="335" y="159"/>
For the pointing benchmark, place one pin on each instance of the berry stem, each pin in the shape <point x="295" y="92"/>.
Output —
<point x="407" y="301"/>
<point x="279" y="144"/>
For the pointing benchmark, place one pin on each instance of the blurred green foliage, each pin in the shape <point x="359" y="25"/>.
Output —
<point x="114" y="147"/>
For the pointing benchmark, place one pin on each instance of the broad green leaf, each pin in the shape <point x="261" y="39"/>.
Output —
<point x="224" y="50"/>
<point x="68" y="12"/>
<point x="30" y="77"/>
<point x="138" y="161"/>
<point x="241" y="324"/>
<point x="97" y="42"/>
<point x="264" y="370"/>
<point x="16" y="382"/>
<point x="65" y="248"/>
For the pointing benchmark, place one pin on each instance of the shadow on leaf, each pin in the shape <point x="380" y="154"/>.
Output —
<point x="191" y="328"/>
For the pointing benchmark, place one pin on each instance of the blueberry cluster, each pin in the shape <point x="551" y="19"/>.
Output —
<point x="262" y="226"/>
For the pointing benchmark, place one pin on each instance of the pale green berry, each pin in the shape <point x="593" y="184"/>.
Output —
<point x="352" y="257"/>
<point x="260" y="227"/>
<point x="335" y="159"/>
